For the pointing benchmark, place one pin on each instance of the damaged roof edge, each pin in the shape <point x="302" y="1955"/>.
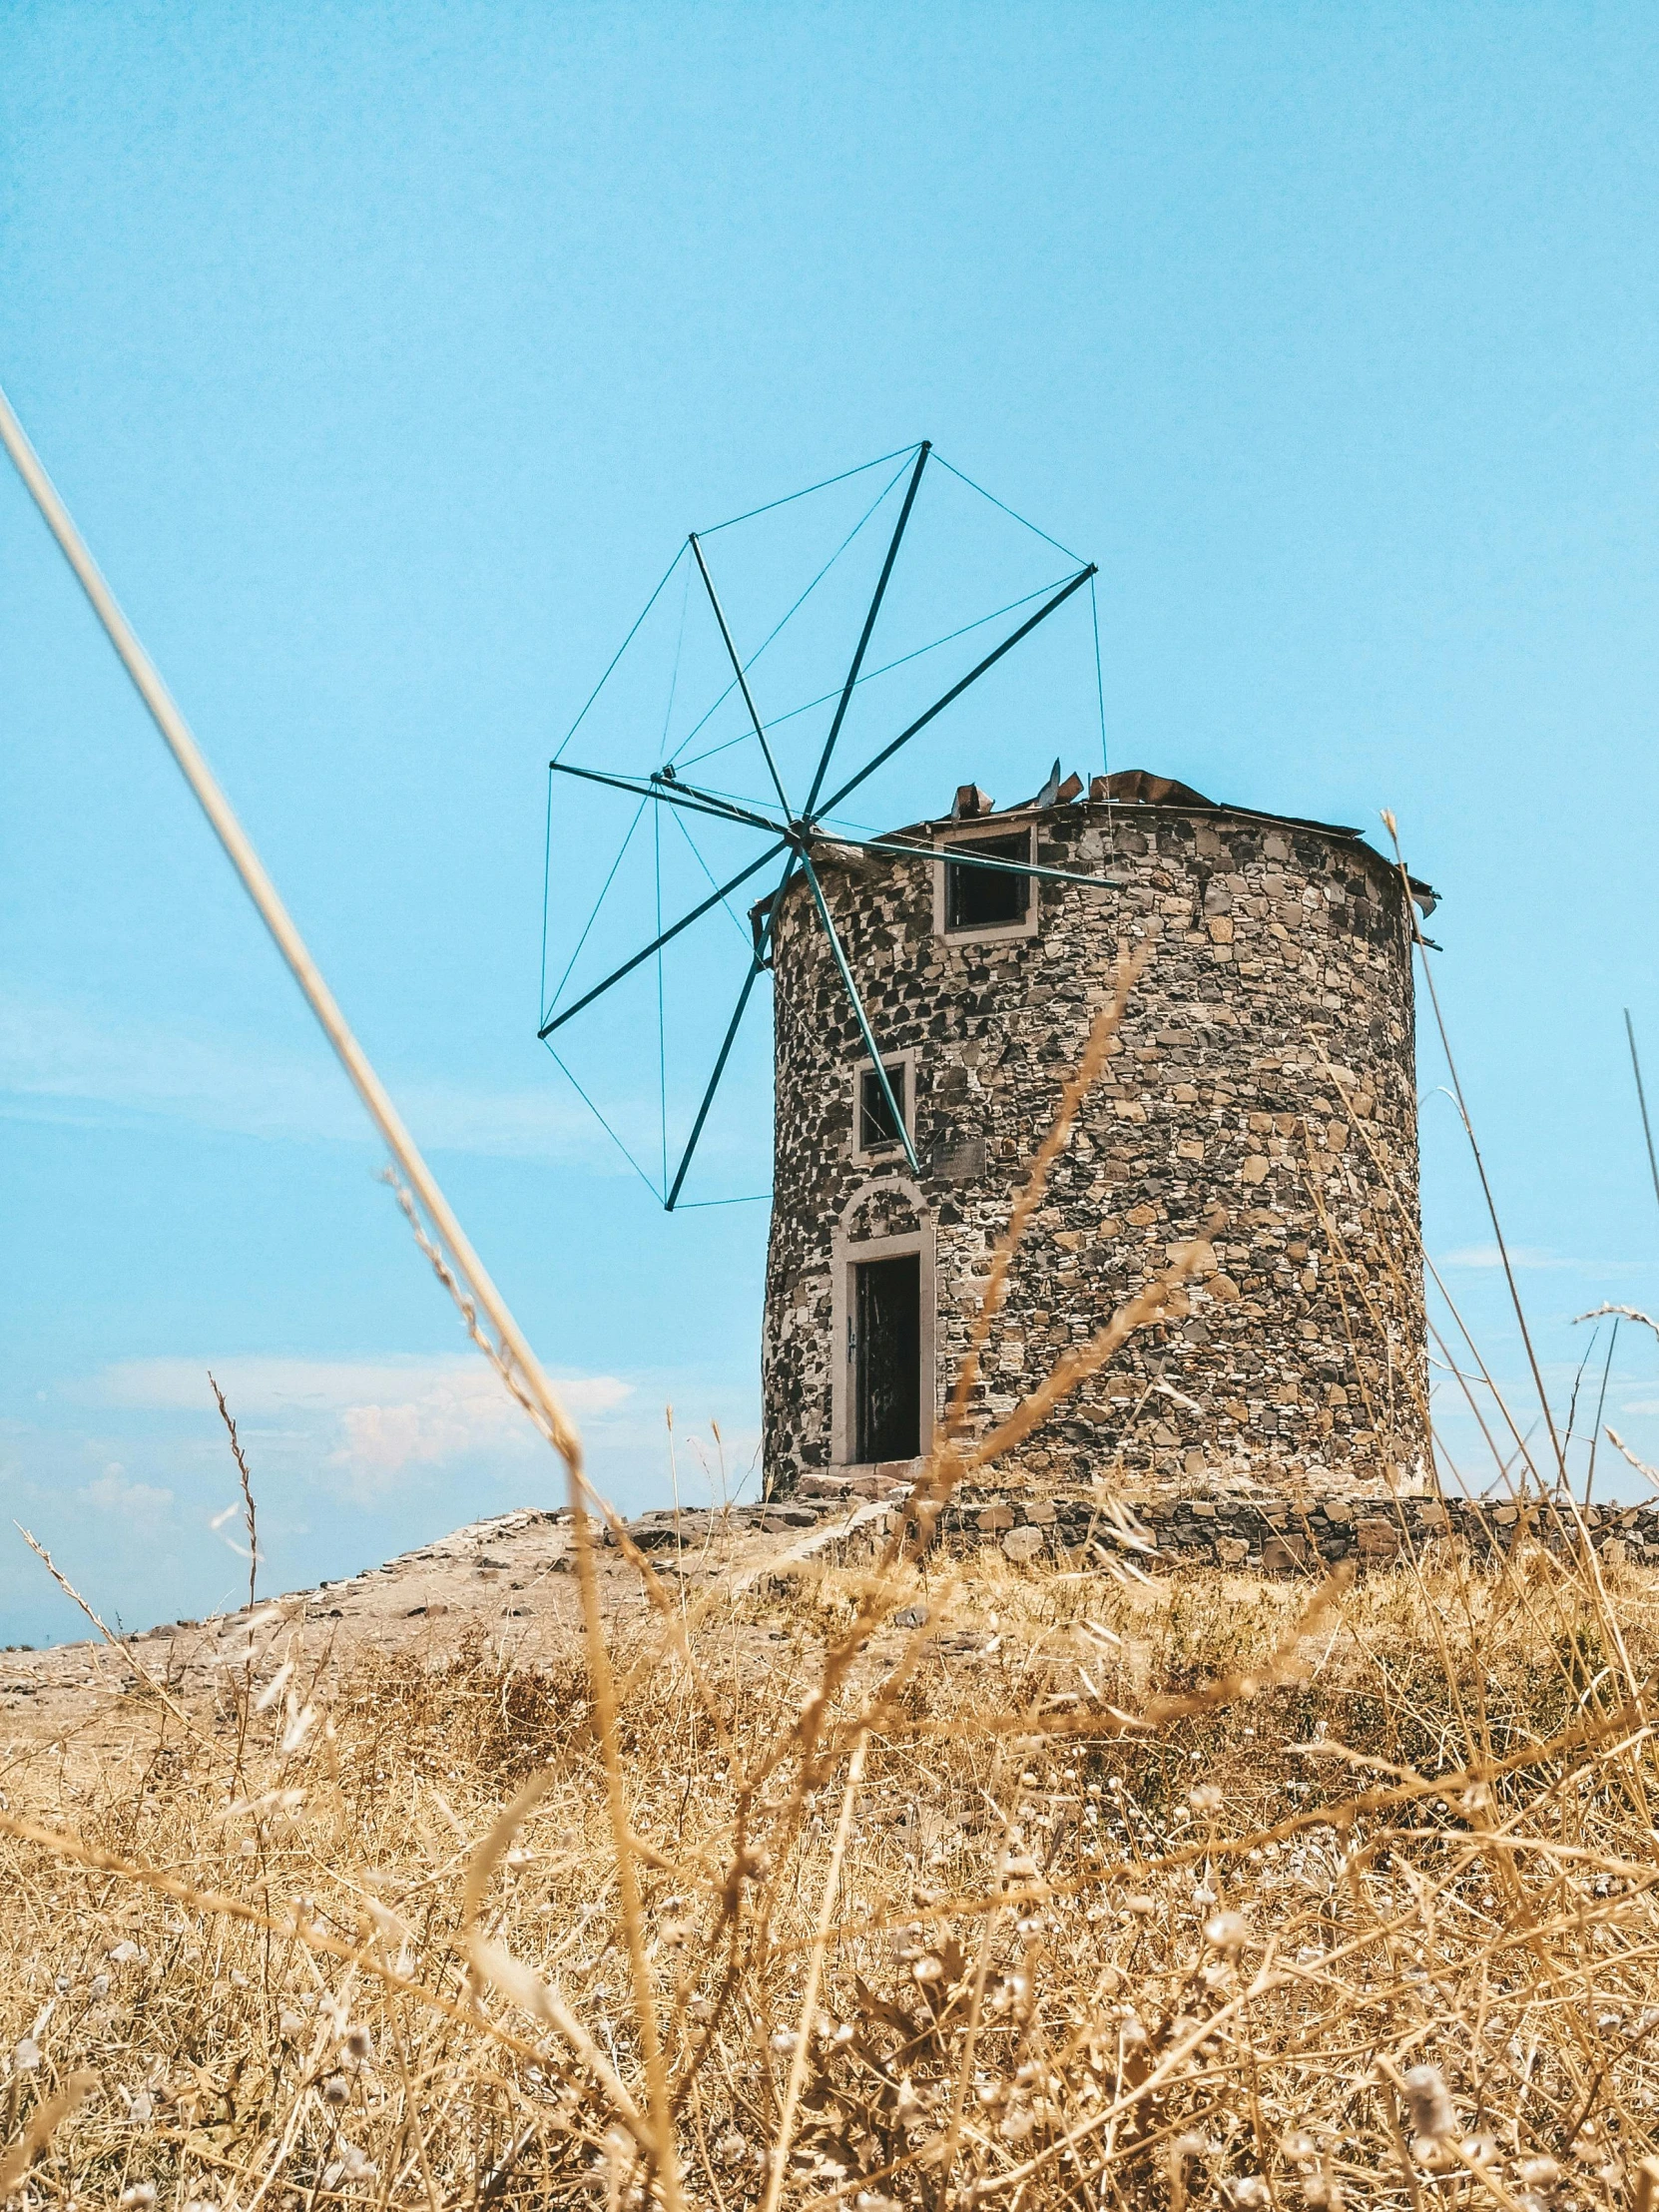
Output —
<point x="1138" y="787"/>
<point x="1129" y="788"/>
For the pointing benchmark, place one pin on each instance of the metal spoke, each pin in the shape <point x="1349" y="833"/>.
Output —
<point x="737" y="670"/>
<point x="743" y="936"/>
<point x="755" y="967"/>
<point x="869" y="625"/>
<point x="963" y="856"/>
<point x="620" y="650"/>
<point x="700" y="797"/>
<point x="778" y="627"/>
<point x="898" y="1121"/>
<point x="674" y="930"/>
<point x="866" y="676"/>
<point x="957" y="690"/>
<point x="690" y="796"/>
<point x="713" y="1084"/>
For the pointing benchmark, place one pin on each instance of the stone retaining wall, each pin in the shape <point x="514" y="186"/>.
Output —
<point x="1275" y="1534"/>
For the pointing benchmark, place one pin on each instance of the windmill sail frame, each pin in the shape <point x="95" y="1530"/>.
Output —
<point x="802" y="836"/>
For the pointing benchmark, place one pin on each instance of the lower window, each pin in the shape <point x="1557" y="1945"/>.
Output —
<point x="876" y="1127"/>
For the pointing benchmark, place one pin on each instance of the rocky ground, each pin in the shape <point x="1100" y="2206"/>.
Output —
<point x="512" y="1572"/>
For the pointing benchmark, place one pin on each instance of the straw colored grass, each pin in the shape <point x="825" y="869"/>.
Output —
<point x="905" y="1881"/>
<point x="1065" y="1958"/>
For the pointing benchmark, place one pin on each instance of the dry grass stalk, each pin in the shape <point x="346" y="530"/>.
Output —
<point x="249" y="1516"/>
<point x="115" y="1642"/>
<point x="44" y="2123"/>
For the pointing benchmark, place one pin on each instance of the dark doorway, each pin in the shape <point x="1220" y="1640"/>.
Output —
<point x="985" y="898"/>
<point x="887" y="1357"/>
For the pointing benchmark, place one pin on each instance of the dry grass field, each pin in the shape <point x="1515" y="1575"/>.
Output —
<point x="908" y="1881"/>
<point x="1074" y="1888"/>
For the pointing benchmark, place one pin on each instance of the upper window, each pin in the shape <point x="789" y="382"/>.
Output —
<point x="876" y="1127"/>
<point x="986" y="897"/>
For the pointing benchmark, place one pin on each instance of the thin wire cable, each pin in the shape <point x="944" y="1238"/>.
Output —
<point x="604" y="1124"/>
<point x="674" y="679"/>
<point x="754" y="657"/>
<point x="886" y="668"/>
<point x="695" y="1205"/>
<point x="726" y="905"/>
<point x="546" y="897"/>
<point x="1099" y="678"/>
<point x="1022" y="520"/>
<point x="788" y="498"/>
<point x="982" y="667"/>
<point x="598" y="902"/>
<point x="617" y="655"/>
<point x="657" y="849"/>
<point x="738" y="799"/>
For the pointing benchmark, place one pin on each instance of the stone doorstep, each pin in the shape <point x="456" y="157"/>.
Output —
<point x="828" y="1546"/>
<point x="890" y="1479"/>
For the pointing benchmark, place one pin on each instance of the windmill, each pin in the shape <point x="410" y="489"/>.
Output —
<point x="792" y="822"/>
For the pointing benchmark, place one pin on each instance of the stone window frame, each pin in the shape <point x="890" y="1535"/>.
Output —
<point x="982" y="832"/>
<point x="847" y="1253"/>
<point x="875" y="1156"/>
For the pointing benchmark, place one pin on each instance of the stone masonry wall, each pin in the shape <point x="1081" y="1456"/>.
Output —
<point x="1272" y="1534"/>
<point x="1264" y="1068"/>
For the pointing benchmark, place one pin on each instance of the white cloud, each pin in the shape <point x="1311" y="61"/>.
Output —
<point x="64" y="1065"/>
<point x="58" y="1056"/>
<point x="362" y="1421"/>
<point x="1522" y="1256"/>
<point x="112" y="1493"/>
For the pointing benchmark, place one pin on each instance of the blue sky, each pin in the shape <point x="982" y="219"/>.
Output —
<point x="385" y="355"/>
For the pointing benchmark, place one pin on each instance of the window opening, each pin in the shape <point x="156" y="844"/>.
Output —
<point x="886" y="1355"/>
<point x="985" y="898"/>
<point x="876" y="1123"/>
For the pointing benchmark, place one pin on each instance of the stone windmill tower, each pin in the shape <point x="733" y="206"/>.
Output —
<point x="933" y="987"/>
<point x="1266" y="1068"/>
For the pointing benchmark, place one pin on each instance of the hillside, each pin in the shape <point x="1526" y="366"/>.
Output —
<point x="1024" y="1881"/>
